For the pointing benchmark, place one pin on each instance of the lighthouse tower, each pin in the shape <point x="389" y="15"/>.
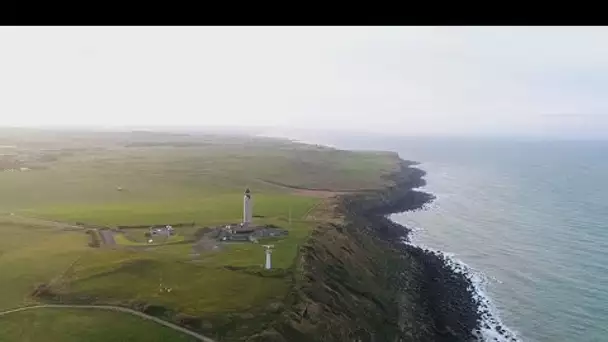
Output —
<point x="247" y="208"/>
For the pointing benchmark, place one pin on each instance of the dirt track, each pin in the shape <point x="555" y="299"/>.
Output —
<point x="107" y="236"/>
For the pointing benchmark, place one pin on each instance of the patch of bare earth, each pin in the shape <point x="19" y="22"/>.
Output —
<point x="324" y="211"/>
<point x="316" y="193"/>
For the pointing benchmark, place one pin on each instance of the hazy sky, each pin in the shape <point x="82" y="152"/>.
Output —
<point x="402" y="80"/>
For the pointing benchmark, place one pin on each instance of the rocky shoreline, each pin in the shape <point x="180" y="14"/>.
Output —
<point x="358" y="281"/>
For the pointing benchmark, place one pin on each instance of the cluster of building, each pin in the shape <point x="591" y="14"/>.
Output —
<point x="246" y="230"/>
<point x="162" y="231"/>
<point x="212" y="238"/>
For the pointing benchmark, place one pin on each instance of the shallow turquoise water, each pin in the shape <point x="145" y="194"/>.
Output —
<point x="531" y="216"/>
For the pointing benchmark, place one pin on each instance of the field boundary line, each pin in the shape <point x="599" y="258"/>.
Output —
<point x="115" y="309"/>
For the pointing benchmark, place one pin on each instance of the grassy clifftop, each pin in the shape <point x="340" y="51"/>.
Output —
<point x="54" y="187"/>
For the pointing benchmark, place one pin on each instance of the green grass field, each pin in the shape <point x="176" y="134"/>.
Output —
<point x="206" y="210"/>
<point x="59" y="325"/>
<point x="165" y="179"/>
<point x="30" y="255"/>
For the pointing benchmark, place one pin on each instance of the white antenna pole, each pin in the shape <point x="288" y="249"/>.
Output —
<point x="268" y="264"/>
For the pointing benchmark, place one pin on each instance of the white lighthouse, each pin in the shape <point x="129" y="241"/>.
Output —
<point x="247" y="208"/>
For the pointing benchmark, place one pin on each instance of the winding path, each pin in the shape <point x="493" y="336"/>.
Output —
<point x="116" y="309"/>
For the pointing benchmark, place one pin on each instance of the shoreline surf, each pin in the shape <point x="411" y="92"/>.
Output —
<point x="490" y="327"/>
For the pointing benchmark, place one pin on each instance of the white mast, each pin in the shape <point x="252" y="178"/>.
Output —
<point x="268" y="254"/>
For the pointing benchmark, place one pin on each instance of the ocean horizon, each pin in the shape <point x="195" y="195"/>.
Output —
<point x="527" y="219"/>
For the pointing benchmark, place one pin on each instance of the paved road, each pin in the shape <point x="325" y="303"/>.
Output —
<point x="107" y="236"/>
<point x="113" y="308"/>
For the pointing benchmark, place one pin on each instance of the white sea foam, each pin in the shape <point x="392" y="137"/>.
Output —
<point x="491" y="328"/>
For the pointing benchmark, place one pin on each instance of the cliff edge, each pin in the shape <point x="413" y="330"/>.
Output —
<point x="357" y="281"/>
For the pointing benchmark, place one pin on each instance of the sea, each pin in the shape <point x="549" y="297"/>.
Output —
<point x="526" y="218"/>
